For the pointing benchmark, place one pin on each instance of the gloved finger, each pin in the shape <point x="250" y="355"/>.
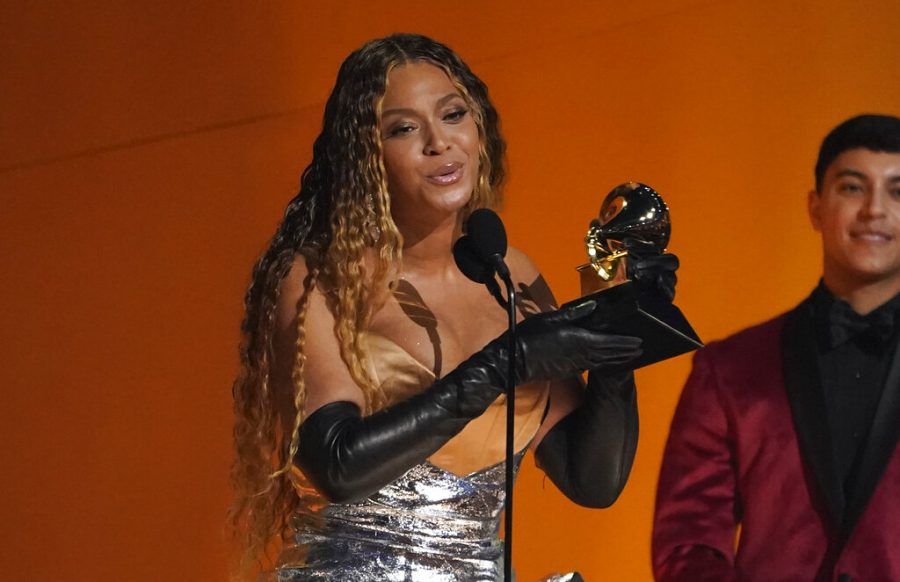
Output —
<point x="570" y="312"/>
<point x="656" y="274"/>
<point x="615" y="340"/>
<point x="640" y="248"/>
<point x="661" y="282"/>
<point x="666" y="285"/>
<point x="626" y="352"/>
<point x="606" y="358"/>
<point x="599" y="337"/>
<point x="599" y="342"/>
<point x="664" y="262"/>
<point x="620" y="359"/>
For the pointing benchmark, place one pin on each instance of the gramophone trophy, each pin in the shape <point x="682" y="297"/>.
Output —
<point x="636" y="211"/>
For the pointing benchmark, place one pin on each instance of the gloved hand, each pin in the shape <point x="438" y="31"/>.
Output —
<point x="651" y="271"/>
<point x="348" y="457"/>
<point x="589" y="453"/>
<point x="558" y="344"/>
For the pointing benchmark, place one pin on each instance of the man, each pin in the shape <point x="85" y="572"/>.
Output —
<point x="782" y="461"/>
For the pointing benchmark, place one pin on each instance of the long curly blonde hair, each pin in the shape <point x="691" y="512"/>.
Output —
<point x="341" y="211"/>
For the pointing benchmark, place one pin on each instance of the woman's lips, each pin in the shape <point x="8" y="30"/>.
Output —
<point x="447" y="174"/>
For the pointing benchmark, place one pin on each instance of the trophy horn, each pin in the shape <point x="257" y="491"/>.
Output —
<point x="630" y="210"/>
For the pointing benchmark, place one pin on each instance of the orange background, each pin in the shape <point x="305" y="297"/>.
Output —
<point x="147" y="150"/>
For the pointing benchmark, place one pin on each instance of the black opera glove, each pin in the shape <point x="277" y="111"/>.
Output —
<point x="348" y="457"/>
<point x="558" y="344"/>
<point x="652" y="271"/>
<point x="589" y="453"/>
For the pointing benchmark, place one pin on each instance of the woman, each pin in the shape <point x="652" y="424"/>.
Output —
<point x="370" y="431"/>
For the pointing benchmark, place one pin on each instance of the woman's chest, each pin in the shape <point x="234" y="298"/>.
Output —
<point x="438" y="330"/>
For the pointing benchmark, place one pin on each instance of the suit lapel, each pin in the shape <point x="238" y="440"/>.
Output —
<point x="880" y="445"/>
<point x="804" y="390"/>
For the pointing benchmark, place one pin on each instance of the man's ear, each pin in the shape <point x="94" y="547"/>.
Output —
<point x="813" y="205"/>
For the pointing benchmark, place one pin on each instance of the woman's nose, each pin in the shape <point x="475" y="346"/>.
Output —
<point x="436" y="142"/>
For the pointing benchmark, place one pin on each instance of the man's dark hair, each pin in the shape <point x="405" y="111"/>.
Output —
<point x="879" y="133"/>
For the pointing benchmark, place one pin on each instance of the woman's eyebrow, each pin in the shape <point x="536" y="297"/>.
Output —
<point x="409" y="111"/>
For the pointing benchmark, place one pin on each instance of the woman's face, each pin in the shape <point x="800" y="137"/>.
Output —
<point x="430" y="144"/>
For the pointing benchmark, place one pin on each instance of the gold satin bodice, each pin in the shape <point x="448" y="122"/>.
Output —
<point x="482" y="442"/>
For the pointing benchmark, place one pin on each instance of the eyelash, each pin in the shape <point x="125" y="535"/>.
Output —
<point x="454" y="116"/>
<point x="400" y="130"/>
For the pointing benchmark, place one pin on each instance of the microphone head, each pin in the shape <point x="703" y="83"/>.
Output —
<point x="469" y="262"/>
<point x="488" y="237"/>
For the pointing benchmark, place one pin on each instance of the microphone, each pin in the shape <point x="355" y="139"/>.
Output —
<point x="488" y="239"/>
<point x="470" y="262"/>
<point x="475" y="268"/>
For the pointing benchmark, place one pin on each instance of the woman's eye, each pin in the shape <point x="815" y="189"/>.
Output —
<point x="401" y="129"/>
<point x="456" y="114"/>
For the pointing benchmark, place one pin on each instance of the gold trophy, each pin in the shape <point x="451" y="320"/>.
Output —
<point x="633" y="210"/>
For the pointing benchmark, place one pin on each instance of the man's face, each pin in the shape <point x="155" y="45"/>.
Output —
<point x="857" y="211"/>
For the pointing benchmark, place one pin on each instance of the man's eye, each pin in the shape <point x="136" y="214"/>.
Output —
<point x="850" y="188"/>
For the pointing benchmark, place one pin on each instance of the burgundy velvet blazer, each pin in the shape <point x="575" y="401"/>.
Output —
<point x="748" y="489"/>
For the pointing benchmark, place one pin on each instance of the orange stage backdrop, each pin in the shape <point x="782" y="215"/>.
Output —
<point x="147" y="150"/>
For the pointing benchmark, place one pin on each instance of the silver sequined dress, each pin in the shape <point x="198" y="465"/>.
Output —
<point x="431" y="524"/>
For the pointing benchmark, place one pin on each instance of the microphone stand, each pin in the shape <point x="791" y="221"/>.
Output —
<point x="503" y="272"/>
<point x="485" y="246"/>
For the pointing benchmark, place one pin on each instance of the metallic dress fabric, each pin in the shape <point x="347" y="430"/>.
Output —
<point x="431" y="524"/>
<point x="428" y="526"/>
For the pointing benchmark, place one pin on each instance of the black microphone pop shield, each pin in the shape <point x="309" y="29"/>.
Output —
<point x="486" y="230"/>
<point x="475" y="268"/>
<point x="469" y="261"/>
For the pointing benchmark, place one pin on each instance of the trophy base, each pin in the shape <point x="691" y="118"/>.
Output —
<point x="664" y="330"/>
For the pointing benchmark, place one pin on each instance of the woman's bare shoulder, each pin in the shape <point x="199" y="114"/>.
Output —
<point x="521" y="264"/>
<point x="535" y="294"/>
<point x="326" y="376"/>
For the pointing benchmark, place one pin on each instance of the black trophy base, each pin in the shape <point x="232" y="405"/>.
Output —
<point x="664" y="330"/>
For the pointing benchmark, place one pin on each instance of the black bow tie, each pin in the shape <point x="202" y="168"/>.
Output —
<point x="846" y="324"/>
